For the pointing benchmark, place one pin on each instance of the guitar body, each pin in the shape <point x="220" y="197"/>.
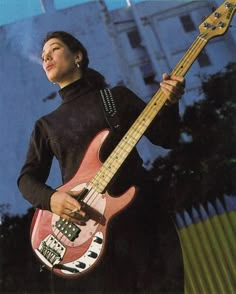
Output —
<point x="70" y="249"/>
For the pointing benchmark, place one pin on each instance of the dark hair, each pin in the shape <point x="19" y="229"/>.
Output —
<point x="72" y="43"/>
<point x="95" y="78"/>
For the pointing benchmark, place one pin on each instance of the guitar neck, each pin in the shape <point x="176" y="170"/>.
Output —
<point x="136" y="131"/>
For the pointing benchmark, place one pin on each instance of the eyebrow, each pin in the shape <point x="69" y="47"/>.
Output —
<point x="51" y="45"/>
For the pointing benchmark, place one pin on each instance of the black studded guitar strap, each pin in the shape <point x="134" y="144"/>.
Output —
<point x="109" y="109"/>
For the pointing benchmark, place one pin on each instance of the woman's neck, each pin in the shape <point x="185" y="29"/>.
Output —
<point x="74" y="77"/>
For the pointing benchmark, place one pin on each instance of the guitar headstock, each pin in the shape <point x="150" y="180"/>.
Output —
<point x="218" y="22"/>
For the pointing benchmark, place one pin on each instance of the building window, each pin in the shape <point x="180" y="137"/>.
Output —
<point x="134" y="39"/>
<point x="148" y="73"/>
<point x="203" y="59"/>
<point x="187" y="23"/>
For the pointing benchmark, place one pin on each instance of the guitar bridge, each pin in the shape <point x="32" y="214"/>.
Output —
<point x="51" y="251"/>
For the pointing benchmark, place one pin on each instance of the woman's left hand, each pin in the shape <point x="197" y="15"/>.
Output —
<point x="173" y="86"/>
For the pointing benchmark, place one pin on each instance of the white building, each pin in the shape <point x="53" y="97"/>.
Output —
<point x="154" y="35"/>
<point x="132" y="46"/>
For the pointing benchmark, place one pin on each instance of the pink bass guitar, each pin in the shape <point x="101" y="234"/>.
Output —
<point x="71" y="250"/>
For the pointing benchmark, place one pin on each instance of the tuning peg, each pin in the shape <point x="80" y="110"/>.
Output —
<point x="221" y="24"/>
<point x="228" y="4"/>
<point x="217" y="14"/>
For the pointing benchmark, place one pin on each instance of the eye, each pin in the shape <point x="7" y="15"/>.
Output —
<point x="55" y="48"/>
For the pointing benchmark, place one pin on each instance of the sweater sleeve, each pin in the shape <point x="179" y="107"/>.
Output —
<point x="163" y="130"/>
<point x="35" y="171"/>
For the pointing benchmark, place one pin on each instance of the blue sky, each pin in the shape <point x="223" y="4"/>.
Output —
<point x="13" y="10"/>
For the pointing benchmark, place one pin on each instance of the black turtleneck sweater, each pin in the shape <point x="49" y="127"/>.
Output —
<point x="66" y="133"/>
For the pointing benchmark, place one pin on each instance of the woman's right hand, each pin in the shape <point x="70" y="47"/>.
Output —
<point x="66" y="206"/>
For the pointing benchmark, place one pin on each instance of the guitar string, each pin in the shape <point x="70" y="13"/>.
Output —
<point x="137" y="127"/>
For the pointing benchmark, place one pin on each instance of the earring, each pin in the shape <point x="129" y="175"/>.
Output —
<point x="77" y="64"/>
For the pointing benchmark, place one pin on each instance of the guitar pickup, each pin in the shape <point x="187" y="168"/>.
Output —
<point x="68" y="229"/>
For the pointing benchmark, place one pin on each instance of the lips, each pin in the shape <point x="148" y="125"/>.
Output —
<point x="49" y="67"/>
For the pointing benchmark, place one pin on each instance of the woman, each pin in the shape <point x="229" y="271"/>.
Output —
<point x="66" y="132"/>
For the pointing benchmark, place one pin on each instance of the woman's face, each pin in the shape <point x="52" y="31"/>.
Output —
<point x="59" y="63"/>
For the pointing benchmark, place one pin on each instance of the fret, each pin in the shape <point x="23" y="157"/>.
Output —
<point x="190" y="56"/>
